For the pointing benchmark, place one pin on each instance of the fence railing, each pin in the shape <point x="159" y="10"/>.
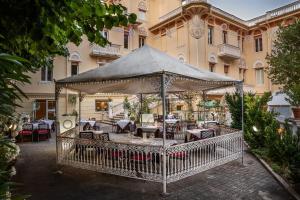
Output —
<point x="191" y="158"/>
<point x="145" y="162"/>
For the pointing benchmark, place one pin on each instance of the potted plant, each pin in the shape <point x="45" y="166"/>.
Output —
<point x="110" y="108"/>
<point x="294" y="99"/>
<point x="126" y="106"/>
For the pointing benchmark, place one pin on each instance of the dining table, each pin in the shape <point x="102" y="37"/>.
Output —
<point x="123" y="124"/>
<point x="151" y="128"/>
<point x="171" y="121"/>
<point x="84" y="122"/>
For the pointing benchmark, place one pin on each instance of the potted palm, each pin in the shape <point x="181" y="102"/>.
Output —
<point x="294" y="99"/>
<point x="126" y="107"/>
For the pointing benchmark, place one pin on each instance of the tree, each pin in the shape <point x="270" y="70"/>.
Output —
<point x="234" y="103"/>
<point x="284" y="59"/>
<point x="32" y="32"/>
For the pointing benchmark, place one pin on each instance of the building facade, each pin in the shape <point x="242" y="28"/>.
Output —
<point x="193" y="31"/>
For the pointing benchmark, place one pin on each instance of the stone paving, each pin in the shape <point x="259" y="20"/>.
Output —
<point x="44" y="180"/>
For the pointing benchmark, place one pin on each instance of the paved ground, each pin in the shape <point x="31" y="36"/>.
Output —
<point x="36" y="169"/>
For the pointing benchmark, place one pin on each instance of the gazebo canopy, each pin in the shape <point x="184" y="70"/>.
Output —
<point x="140" y="72"/>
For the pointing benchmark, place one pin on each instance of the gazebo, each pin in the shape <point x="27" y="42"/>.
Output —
<point x="147" y="71"/>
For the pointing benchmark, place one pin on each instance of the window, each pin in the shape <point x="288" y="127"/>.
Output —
<point x="259" y="74"/>
<point x="141" y="41"/>
<point x="44" y="109"/>
<point x="242" y="46"/>
<point x="101" y="105"/>
<point x="142" y="15"/>
<point x="179" y="107"/>
<point x="105" y="34"/>
<point x="126" y="39"/>
<point x="46" y="74"/>
<point x="258" y="44"/>
<point x="210" y="34"/>
<point x="239" y="41"/>
<point x="226" y="69"/>
<point x="224" y="36"/>
<point x="212" y="67"/>
<point x="74" y="68"/>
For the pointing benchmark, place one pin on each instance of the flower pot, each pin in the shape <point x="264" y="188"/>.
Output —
<point x="296" y="111"/>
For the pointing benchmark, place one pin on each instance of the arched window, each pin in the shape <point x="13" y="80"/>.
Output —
<point x="259" y="72"/>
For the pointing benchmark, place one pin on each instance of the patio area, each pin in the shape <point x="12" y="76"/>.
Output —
<point x="230" y="181"/>
<point x="174" y="149"/>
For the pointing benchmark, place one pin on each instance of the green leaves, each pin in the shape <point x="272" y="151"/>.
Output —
<point x="284" y="60"/>
<point x="294" y="95"/>
<point x="37" y="30"/>
<point x="132" y="18"/>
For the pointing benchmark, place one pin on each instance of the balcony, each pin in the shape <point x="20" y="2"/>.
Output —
<point x="229" y="52"/>
<point x="110" y="51"/>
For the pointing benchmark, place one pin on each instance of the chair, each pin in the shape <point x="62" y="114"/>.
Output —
<point x="84" y="135"/>
<point x="139" y="132"/>
<point x="87" y="126"/>
<point x="140" y="160"/>
<point x="114" y="127"/>
<point x="104" y="137"/>
<point x="97" y="126"/>
<point x="209" y="134"/>
<point x="191" y="126"/>
<point x="43" y="129"/>
<point x="27" y="130"/>
<point x="171" y="129"/>
<point x="181" y="155"/>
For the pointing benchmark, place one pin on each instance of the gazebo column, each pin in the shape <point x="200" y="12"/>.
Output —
<point x="204" y="97"/>
<point x="141" y="110"/>
<point x="240" y="89"/>
<point x="80" y="97"/>
<point x="163" y="96"/>
<point x="57" y="128"/>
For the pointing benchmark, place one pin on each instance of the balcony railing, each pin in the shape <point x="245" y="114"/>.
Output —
<point x="274" y="13"/>
<point x="229" y="51"/>
<point x="112" y="51"/>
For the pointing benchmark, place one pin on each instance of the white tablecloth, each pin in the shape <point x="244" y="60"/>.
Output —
<point x="123" y="123"/>
<point x="124" y="138"/>
<point x="171" y="121"/>
<point x="35" y="125"/>
<point x="47" y="121"/>
<point x="83" y="122"/>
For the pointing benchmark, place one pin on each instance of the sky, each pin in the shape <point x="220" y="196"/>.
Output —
<point x="248" y="9"/>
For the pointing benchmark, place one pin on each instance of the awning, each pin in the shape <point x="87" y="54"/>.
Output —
<point x="140" y="72"/>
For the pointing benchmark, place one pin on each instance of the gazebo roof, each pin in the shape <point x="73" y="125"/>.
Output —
<point x="140" y="72"/>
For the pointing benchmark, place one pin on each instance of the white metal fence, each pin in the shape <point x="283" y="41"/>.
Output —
<point x="145" y="162"/>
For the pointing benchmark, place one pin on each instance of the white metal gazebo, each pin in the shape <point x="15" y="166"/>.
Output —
<point x="147" y="71"/>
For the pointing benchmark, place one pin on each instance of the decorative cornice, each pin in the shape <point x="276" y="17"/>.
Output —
<point x="272" y="15"/>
